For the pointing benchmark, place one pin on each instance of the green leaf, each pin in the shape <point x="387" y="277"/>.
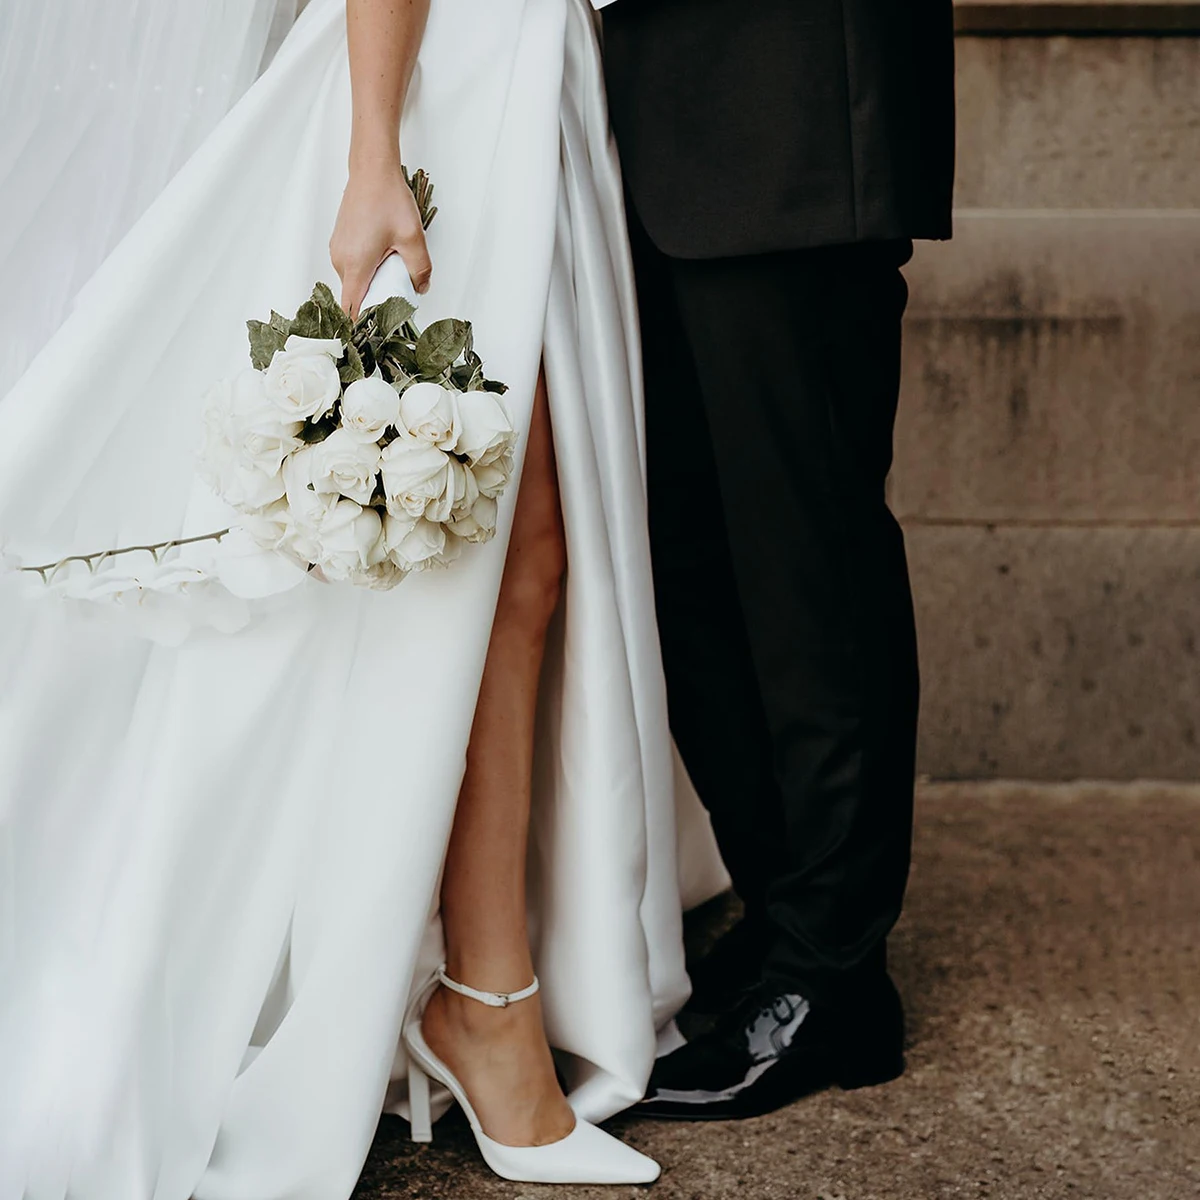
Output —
<point x="352" y="369"/>
<point x="318" y="431"/>
<point x="441" y="344"/>
<point x="392" y="314"/>
<point x="401" y="356"/>
<point x="467" y="378"/>
<point x="308" y="321"/>
<point x="399" y="346"/>
<point x="318" y="319"/>
<point x="334" y="318"/>
<point x="280" y="322"/>
<point x="265" y="340"/>
<point x="494" y="385"/>
<point x="323" y="297"/>
<point x="396" y="375"/>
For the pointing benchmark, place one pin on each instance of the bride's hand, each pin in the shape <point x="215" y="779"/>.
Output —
<point x="378" y="217"/>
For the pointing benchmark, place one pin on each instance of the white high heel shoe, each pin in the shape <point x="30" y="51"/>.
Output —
<point x="586" y="1155"/>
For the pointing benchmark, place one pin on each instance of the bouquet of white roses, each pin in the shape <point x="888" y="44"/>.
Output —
<point x="361" y="450"/>
<point x="364" y="449"/>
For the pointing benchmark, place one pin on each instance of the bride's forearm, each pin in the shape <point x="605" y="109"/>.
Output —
<point x="384" y="38"/>
<point x="379" y="214"/>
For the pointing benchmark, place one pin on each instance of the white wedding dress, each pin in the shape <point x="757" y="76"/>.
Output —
<point x="219" y="862"/>
<point x="102" y="104"/>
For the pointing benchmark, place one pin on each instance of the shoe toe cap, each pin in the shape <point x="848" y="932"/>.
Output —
<point x="609" y="1154"/>
<point x="587" y="1155"/>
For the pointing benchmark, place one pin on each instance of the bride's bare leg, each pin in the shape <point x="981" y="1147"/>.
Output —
<point x="501" y="1055"/>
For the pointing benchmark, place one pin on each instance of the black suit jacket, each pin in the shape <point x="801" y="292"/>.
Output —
<point x="753" y="125"/>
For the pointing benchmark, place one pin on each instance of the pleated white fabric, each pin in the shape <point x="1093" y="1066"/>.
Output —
<point x="219" y="862"/>
<point x="102" y="104"/>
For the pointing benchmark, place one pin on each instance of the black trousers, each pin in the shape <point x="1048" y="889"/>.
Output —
<point x="782" y="586"/>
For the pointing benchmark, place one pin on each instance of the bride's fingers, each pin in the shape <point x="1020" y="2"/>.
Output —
<point x="355" y="280"/>
<point x="415" y="253"/>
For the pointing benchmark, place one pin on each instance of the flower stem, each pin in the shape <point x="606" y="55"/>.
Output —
<point x="48" y="570"/>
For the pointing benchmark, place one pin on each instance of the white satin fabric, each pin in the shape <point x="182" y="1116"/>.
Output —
<point x="218" y="863"/>
<point x="102" y="103"/>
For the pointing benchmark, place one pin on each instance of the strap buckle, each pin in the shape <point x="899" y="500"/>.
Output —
<point x="491" y="999"/>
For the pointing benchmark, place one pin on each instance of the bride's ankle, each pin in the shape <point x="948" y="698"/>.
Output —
<point x="503" y="1060"/>
<point x="461" y="1015"/>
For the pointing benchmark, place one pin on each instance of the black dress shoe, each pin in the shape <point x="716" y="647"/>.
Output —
<point x="775" y="1048"/>
<point x="733" y="967"/>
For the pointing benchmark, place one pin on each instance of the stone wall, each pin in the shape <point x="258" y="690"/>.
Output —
<point x="1048" y="449"/>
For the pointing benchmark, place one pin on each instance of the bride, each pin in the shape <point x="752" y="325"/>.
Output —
<point x="377" y="851"/>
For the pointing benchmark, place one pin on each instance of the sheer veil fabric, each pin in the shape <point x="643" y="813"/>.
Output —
<point x="104" y="102"/>
<point x="219" y="862"/>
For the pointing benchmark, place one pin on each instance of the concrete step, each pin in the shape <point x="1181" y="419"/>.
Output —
<point x="1078" y="122"/>
<point x="1012" y="18"/>
<point x="1058" y="653"/>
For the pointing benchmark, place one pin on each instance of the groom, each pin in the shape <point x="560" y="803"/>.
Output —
<point x="779" y="156"/>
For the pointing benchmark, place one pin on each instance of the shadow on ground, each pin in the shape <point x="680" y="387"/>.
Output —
<point x="1050" y="960"/>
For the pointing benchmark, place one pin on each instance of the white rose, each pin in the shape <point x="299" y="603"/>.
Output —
<point x="302" y="380"/>
<point x="351" y="540"/>
<point x="254" y="561"/>
<point x="493" y="478"/>
<point x="381" y="577"/>
<point x="429" y="414"/>
<point x="486" y="432"/>
<point x="416" y="478"/>
<point x="468" y="492"/>
<point x="307" y="508"/>
<point x="298" y="474"/>
<point x="369" y="407"/>
<point x="268" y="526"/>
<point x="454" y="499"/>
<point x="479" y="524"/>
<point x="245" y="442"/>
<point x="413" y="545"/>
<point x="260" y="433"/>
<point x="450" y="551"/>
<point x="333" y="347"/>
<point x="266" y="439"/>
<point x="344" y="464"/>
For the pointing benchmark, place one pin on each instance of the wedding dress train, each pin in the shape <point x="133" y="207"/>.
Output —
<point x="219" y="862"/>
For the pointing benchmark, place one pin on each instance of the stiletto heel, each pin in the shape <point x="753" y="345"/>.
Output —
<point x="586" y="1155"/>
<point x="421" y="1118"/>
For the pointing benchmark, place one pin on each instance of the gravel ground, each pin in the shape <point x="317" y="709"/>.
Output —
<point x="1050" y="961"/>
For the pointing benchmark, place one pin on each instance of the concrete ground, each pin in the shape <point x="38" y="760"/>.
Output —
<point x="1050" y="960"/>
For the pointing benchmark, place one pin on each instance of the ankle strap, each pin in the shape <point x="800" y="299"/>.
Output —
<point x="491" y="999"/>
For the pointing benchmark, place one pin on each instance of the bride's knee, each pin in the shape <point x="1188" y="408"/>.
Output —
<point x="533" y="577"/>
